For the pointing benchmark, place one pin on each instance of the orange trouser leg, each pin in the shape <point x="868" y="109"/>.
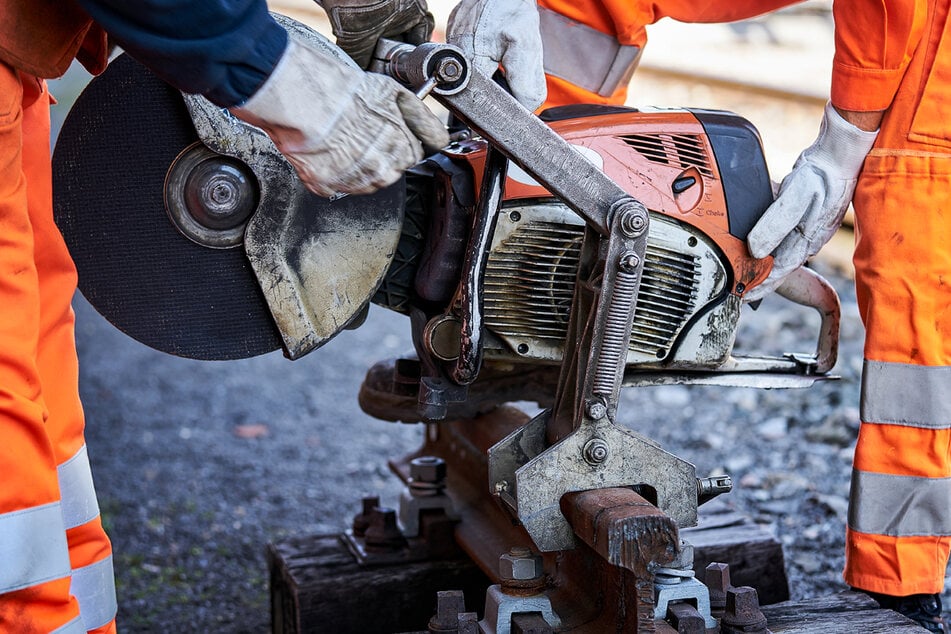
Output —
<point x="899" y="531"/>
<point x="34" y="562"/>
<point x="90" y="550"/>
<point x="38" y="371"/>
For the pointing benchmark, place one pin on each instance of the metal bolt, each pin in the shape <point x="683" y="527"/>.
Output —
<point x="449" y="604"/>
<point x="222" y="193"/>
<point x="709" y="488"/>
<point x="629" y="262"/>
<point x="595" y="451"/>
<point x="520" y="564"/>
<point x="219" y="195"/>
<point x="596" y="410"/>
<point x="427" y="476"/>
<point x="633" y="220"/>
<point x="428" y="469"/>
<point x="383" y="532"/>
<point x="361" y="521"/>
<point x="448" y="69"/>
<point x="717" y="580"/>
<point x="742" y="615"/>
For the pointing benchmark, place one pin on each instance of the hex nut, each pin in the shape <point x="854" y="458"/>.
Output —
<point x="520" y="567"/>
<point x="429" y="469"/>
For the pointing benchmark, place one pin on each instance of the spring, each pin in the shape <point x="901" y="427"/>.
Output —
<point x="617" y="329"/>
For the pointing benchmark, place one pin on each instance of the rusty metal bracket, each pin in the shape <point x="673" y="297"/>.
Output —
<point x="600" y="455"/>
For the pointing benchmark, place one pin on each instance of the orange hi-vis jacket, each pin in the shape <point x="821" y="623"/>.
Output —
<point x="55" y="559"/>
<point x="895" y="55"/>
<point x="592" y="47"/>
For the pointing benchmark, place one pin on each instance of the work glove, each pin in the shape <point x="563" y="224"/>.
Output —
<point x="811" y="201"/>
<point x="344" y="130"/>
<point x="359" y="24"/>
<point x="506" y="32"/>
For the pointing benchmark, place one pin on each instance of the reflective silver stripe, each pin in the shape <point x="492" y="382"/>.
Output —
<point x="73" y="627"/>
<point x="900" y="506"/>
<point x="76" y="490"/>
<point x="32" y="547"/>
<point x="94" y="586"/>
<point x="584" y="56"/>
<point x="903" y="394"/>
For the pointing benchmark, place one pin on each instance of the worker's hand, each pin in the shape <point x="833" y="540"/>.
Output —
<point x="811" y="201"/>
<point x="493" y="32"/>
<point x="359" y="24"/>
<point x="344" y="130"/>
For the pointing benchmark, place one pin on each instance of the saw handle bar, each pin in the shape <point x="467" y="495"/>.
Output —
<point x="499" y="118"/>
<point x="807" y="288"/>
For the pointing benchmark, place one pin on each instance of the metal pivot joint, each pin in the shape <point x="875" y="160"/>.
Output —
<point x="441" y="69"/>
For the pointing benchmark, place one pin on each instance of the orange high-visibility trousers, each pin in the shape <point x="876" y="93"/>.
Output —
<point x="899" y="530"/>
<point x="55" y="559"/>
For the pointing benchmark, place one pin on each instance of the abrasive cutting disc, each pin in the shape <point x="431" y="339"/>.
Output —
<point x="135" y="267"/>
<point x="127" y="168"/>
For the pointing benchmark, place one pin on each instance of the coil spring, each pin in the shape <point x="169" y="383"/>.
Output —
<point x="616" y="329"/>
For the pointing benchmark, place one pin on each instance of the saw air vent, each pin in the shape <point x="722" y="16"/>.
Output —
<point x="677" y="150"/>
<point x="530" y="279"/>
<point x="667" y="297"/>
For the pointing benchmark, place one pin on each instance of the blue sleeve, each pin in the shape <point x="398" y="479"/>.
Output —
<point x="222" y="49"/>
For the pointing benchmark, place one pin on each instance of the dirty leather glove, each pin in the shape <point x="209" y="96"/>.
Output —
<point x="493" y="32"/>
<point x="344" y="130"/>
<point x="359" y="24"/>
<point x="811" y="201"/>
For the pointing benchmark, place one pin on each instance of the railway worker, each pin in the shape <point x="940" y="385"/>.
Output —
<point x="887" y="127"/>
<point x="344" y="131"/>
<point x="885" y="145"/>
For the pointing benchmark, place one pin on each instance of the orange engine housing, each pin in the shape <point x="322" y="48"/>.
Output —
<point x="702" y="176"/>
<point x="704" y="168"/>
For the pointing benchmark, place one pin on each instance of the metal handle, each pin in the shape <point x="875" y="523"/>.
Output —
<point x="807" y="288"/>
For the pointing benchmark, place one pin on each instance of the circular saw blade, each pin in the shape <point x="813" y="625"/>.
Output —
<point x="109" y="169"/>
<point x="125" y="149"/>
